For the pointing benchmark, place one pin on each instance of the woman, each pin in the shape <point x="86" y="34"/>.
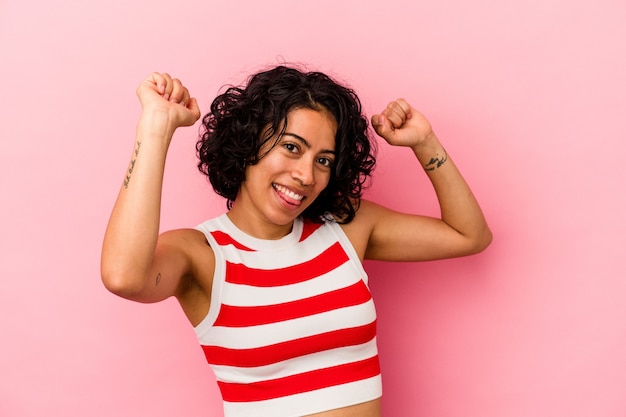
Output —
<point x="275" y="287"/>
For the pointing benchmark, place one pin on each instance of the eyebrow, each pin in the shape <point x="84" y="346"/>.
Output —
<point x="306" y="143"/>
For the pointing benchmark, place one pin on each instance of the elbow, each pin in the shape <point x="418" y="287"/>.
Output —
<point x="124" y="285"/>
<point x="482" y="241"/>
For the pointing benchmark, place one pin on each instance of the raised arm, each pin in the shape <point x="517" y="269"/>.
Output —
<point x="129" y="265"/>
<point x="461" y="230"/>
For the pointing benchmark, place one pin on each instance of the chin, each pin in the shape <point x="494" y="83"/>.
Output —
<point x="284" y="219"/>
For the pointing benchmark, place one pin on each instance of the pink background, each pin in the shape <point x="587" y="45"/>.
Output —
<point x="528" y="96"/>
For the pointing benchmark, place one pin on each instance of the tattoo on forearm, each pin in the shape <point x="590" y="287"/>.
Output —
<point x="436" y="162"/>
<point x="131" y="168"/>
<point x="158" y="279"/>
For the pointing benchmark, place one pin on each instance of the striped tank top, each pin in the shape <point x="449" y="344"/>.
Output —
<point x="291" y="329"/>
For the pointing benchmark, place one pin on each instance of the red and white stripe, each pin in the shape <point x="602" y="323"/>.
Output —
<point x="292" y="326"/>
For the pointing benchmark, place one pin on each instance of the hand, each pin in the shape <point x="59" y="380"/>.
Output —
<point x="401" y="125"/>
<point x="162" y="93"/>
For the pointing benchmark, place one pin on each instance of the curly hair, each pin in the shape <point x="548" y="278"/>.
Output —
<point x="243" y="119"/>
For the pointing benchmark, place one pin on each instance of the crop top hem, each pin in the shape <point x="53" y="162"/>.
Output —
<point x="326" y="399"/>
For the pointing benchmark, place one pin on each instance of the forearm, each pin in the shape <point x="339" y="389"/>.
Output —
<point x="459" y="208"/>
<point x="131" y="236"/>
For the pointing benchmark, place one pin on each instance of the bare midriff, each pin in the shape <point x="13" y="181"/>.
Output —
<point x="367" y="409"/>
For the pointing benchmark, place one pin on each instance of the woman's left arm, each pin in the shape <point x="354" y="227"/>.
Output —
<point x="461" y="230"/>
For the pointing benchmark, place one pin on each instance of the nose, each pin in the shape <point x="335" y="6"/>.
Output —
<point x="303" y="172"/>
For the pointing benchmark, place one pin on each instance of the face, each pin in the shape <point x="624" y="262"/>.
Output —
<point x="289" y="177"/>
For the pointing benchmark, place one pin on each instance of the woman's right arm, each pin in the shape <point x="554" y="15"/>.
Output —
<point x="136" y="263"/>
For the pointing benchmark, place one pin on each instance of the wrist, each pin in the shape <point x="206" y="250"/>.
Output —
<point x="156" y="125"/>
<point x="429" y="141"/>
<point x="430" y="153"/>
<point x="435" y="161"/>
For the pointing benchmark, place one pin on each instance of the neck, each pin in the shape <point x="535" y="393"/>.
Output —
<point x="259" y="228"/>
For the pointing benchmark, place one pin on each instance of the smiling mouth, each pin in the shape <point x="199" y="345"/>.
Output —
<point x="288" y="193"/>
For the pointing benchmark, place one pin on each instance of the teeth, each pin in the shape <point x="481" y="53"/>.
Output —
<point x="288" y="193"/>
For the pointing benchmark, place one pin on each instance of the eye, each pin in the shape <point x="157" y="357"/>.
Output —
<point x="291" y="147"/>
<point x="327" y="162"/>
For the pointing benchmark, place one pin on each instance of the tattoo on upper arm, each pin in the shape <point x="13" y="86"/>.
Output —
<point x="158" y="279"/>
<point x="131" y="168"/>
<point x="436" y="162"/>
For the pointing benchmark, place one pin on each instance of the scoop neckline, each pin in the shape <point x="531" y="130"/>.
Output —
<point x="257" y="243"/>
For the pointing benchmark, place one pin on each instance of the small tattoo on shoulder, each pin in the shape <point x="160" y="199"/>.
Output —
<point x="158" y="279"/>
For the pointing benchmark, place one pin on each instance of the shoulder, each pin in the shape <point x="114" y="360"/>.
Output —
<point x="367" y="215"/>
<point x="359" y="230"/>
<point x="192" y="246"/>
<point x="184" y="240"/>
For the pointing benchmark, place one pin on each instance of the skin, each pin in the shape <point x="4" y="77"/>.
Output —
<point x="140" y="263"/>
<point x="289" y="178"/>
